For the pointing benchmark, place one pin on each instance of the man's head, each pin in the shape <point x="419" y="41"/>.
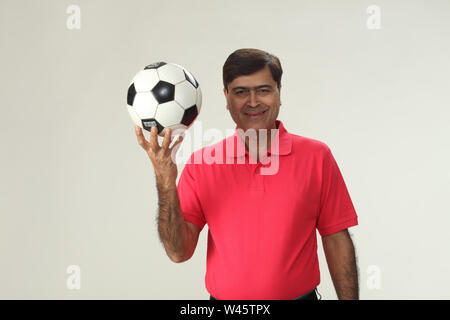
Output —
<point x="252" y="84"/>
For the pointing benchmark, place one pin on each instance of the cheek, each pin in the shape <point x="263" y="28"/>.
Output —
<point x="271" y="102"/>
<point x="272" y="105"/>
<point x="236" y="108"/>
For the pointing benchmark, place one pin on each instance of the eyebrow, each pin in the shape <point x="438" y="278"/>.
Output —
<point x="257" y="87"/>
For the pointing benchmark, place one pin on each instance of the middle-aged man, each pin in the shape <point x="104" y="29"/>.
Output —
<point x="262" y="227"/>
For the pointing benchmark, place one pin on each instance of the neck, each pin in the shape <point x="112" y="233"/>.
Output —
<point x="262" y="138"/>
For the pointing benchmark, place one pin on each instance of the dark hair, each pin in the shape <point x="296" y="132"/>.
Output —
<point x="247" y="61"/>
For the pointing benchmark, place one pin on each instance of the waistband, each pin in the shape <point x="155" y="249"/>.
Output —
<point x="311" y="295"/>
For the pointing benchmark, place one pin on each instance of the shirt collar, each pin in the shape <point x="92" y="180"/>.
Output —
<point x="282" y="136"/>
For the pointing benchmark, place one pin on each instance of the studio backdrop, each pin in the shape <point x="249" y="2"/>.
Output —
<point x="79" y="202"/>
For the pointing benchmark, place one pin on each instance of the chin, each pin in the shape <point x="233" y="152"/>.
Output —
<point x="256" y="126"/>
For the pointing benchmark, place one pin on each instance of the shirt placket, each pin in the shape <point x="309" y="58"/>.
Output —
<point x="257" y="181"/>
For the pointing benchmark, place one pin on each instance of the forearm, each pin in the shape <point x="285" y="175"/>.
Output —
<point x="172" y="227"/>
<point x="340" y="255"/>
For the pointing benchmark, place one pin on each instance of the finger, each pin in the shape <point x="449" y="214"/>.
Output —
<point x="167" y="138"/>
<point x="154" y="145"/>
<point x="140" y="137"/>
<point x="178" y="141"/>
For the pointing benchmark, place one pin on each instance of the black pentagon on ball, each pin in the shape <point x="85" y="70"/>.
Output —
<point x="189" y="77"/>
<point x="155" y="65"/>
<point x="189" y="115"/>
<point x="163" y="92"/>
<point x="147" y="124"/>
<point x="131" y="94"/>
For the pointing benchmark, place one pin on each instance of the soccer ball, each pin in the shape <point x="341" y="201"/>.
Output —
<point x="164" y="95"/>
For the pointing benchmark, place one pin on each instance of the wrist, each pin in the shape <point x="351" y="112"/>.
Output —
<point x="166" y="184"/>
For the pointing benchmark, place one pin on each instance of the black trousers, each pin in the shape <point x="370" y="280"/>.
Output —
<point x="311" y="295"/>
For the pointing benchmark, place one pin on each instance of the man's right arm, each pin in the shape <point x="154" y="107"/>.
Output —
<point x="179" y="237"/>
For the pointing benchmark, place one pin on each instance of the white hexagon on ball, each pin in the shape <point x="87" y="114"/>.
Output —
<point x="171" y="73"/>
<point x="134" y="116"/>
<point x="199" y="99"/>
<point x="145" y="80"/>
<point x="145" y="105"/>
<point x="185" y="94"/>
<point x="169" y="113"/>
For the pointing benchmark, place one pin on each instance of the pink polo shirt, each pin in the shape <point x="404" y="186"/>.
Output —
<point x="262" y="227"/>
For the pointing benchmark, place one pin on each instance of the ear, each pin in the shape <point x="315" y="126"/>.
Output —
<point x="280" y="93"/>
<point x="226" y="98"/>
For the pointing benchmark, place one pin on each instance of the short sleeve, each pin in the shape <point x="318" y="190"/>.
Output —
<point x="336" y="210"/>
<point x="187" y="189"/>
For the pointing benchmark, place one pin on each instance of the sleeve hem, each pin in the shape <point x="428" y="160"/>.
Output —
<point x="194" y="220"/>
<point x="338" y="227"/>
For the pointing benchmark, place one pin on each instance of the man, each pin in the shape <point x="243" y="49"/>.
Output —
<point x="262" y="227"/>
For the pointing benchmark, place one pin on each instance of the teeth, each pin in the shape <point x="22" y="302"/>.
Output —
<point x="255" y="114"/>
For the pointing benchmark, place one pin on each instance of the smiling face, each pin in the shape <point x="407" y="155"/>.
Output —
<point x="254" y="100"/>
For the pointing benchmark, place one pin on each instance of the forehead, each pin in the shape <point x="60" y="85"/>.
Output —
<point x="263" y="76"/>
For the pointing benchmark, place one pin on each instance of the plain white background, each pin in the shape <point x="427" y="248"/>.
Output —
<point x="76" y="189"/>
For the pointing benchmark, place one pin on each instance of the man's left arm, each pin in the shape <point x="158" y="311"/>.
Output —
<point x="340" y="255"/>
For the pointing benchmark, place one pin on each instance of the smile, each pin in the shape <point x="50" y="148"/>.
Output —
<point x="255" y="116"/>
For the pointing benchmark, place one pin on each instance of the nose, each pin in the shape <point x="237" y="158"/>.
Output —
<point x="252" y="99"/>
